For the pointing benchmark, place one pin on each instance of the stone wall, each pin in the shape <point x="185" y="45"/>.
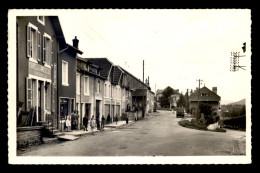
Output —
<point x="27" y="136"/>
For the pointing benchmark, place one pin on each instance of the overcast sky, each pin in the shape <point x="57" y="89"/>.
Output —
<point x="178" y="46"/>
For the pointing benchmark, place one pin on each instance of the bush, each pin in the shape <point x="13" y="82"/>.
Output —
<point x="235" y="123"/>
<point x="193" y="124"/>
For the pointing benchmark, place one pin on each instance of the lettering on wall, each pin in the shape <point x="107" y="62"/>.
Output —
<point x="39" y="70"/>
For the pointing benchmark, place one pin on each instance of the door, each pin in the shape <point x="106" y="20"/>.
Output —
<point x="98" y="107"/>
<point x="39" y="101"/>
<point x="87" y="110"/>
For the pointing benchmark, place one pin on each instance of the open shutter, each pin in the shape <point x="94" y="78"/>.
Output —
<point x="28" y="93"/>
<point x="51" y="52"/>
<point x="44" y="49"/>
<point x="29" y="55"/>
<point x="39" y="51"/>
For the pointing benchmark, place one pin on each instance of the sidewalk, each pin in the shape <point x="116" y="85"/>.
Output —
<point x="75" y="134"/>
<point x="119" y="123"/>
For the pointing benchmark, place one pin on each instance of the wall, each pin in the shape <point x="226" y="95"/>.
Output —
<point x="22" y="60"/>
<point x="27" y="136"/>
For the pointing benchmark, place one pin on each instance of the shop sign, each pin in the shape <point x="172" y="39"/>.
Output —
<point x="39" y="70"/>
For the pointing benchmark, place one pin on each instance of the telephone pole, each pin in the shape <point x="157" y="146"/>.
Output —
<point x="198" y="112"/>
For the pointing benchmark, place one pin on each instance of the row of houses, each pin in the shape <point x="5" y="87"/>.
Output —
<point x="54" y="79"/>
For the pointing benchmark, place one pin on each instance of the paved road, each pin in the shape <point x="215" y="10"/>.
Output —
<point x="158" y="135"/>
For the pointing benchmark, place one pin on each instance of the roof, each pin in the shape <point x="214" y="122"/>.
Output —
<point x="211" y="96"/>
<point x="135" y="77"/>
<point x="104" y="63"/>
<point x="74" y="49"/>
<point x="117" y="74"/>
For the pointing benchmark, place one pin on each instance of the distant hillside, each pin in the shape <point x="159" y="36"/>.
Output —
<point x="240" y="102"/>
<point x="226" y="102"/>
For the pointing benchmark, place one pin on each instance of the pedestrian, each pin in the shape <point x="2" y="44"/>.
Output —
<point x="68" y="123"/>
<point x="102" y="122"/>
<point x="116" y="118"/>
<point x="126" y="118"/>
<point x="97" y="121"/>
<point x="108" y="118"/>
<point x="136" y="110"/>
<point x="92" y="124"/>
<point x="73" y="121"/>
<point x="85" y="123"/>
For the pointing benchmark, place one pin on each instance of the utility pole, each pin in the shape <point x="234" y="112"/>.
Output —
<point x="144" y="92"/>
<point x="198" y="112"/>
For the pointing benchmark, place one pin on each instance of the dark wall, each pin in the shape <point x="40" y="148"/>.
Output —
<point x="22" y="60"/>
<point x="67" y="91"/>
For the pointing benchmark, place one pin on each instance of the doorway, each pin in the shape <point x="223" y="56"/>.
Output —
<point x="98" y="107"/>
<point x="40" y="101"/>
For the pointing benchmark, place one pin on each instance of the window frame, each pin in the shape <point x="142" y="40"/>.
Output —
<point x="31" y="54"/>
<point x="66" y="82"/>
<point x="41" y="21"/>
<point x="86" y="87"/>
<point x="47" y="50"/>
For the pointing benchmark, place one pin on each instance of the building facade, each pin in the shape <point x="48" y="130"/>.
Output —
<point x="204" y="95"/>
<point x="89" y="89"/>
<point x="66" y="83"/>
<point x="38" y="41"/>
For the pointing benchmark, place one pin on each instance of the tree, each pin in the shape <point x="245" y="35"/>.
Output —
<point x="165" y="99"/>
<point x="187" y="108"/>
<point x="182" y="101"/>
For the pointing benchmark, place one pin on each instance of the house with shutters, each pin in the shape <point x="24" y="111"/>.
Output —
<point x="38" y="40"/>
<point x="111" y="104"/>
<point x="204" y="95"/>
<point x="89" y="89"/>
<point x="66" y="80"/>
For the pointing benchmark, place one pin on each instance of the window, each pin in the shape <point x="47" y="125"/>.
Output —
<point x="41" y="19"/>
<point x="32" y="42"/>
<point x="78" y="83"/>
<point x="72" y="105"/>
<point x="204" y="94"/>
<point x="47" y="49"/>
<point x="65" y="73"/>
<point x="86" y="85"/>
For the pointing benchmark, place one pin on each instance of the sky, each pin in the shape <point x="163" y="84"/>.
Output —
<point x="178" y="46"/>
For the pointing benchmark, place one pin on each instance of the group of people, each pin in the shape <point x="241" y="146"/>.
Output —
<point x="96" y="122"/>
<point x="71" y="122"/>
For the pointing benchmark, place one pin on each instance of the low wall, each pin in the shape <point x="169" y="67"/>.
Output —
<point x="27" y="136"/>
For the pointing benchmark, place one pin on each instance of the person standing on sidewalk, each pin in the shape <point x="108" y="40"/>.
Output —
<point x="68" y="123"/>
<point x="85" y="123"/>
<point x="102" y="122"/>
<point x="92" y="124"/>
<point x="108" y="118"/>
<point x="126" y="118"/>
<point x="116" y="118"/>
<point x="98" y="122"/>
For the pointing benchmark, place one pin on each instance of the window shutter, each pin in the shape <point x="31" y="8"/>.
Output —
<point x="39" y="46"/>
<point x="29" y="55"/>
<point x="51" y="52"/>
<point x="44" y="49"/>
<point x="28" y="93"/>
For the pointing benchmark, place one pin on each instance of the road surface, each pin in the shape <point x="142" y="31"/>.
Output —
<point x="156" y="135"/>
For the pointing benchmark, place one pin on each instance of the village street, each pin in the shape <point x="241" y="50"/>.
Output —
<point x="157" y="134"/>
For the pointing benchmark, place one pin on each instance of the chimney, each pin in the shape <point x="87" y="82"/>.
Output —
<point x="214" y="89"/>
<point x="75" y="42"/>
<point x="148" y="81"/>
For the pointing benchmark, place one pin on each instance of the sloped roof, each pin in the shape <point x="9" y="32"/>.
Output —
<point x="211" y="96"/>
<point x="104" y="63"/>
<point x="116" y="74"/>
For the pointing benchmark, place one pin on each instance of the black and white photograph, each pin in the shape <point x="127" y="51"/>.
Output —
<point x="129" y="86"/>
